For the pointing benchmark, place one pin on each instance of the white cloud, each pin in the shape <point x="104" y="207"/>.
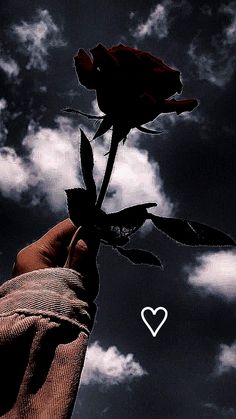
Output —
<point x="37" y="37"/>
<point x="215" y="273"/>
<point x="230" y="30"/>
<point x="3" y="104"/>
<point x="53" y="158"/>
<point x="156" y="23"/>
<point x="109" y="366"/>
<point x="166" y="121"/>
<point x="160" y="19"/>
<point x="52" y="162"/>
<point x="224" y="412"/>
<point x="131" y="15"/>
<point x="135" y="179"/>
<point x="3" y="118"/>
<point x="226" y="359"/>
<point x="217" y="65"/>
<point x="13" y="174"/>
<point x="9" y="66"/>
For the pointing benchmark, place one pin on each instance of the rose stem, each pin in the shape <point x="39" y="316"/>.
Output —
<point x="71" y="248"/>
<point x="102" y="193"/>
<point x="109" y="167"/>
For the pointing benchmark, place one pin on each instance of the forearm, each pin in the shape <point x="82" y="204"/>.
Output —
<point x="45" y="323"/>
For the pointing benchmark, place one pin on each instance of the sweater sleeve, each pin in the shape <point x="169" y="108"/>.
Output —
<point x="45" y="320"/>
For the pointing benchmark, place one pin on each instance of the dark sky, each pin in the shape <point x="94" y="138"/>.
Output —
<point x="188" y="371"/>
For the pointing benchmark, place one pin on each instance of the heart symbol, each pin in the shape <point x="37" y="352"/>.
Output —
<point x="154" y="312"/>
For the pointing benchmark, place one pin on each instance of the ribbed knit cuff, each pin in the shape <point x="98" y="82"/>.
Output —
<point x="53" y="292"/>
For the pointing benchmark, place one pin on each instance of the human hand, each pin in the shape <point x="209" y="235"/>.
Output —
<point x="51" y="250"/>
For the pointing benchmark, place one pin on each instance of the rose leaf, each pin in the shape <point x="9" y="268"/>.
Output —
<point x="131" y="216"/>
<point x="117" y="227"/>
<point x="191" y="233"/>
<point x="103" y="127"/>
<point x="149" y="131"/>
<point x="140" y="256"/>
<point x="80" y="208"/>
<point x="71" y="110"/>
<point x="86" y="156"/>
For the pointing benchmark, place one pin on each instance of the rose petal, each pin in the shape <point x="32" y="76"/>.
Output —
<point x="132" y="86"/>
<point x="121" y="52"/>
<point x="85" y="70"/>
<point x="144" y="109"/>
<point x="103" y="60"/>
<point x="179" y="106"/>
<point x="127" y="57"/>
<point x="143" y="72"/>
<point x="165" y="83"/>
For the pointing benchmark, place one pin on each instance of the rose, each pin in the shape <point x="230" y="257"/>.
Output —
<point x="133" y="87"/>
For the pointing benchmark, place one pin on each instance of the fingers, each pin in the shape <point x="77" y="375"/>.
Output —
<point x="59" y="235"/>
<point x="54" y="243"/>
<point x="48" y="251"/>
<point x="51" y="250"/>
<point x="82" y="256"/>
<point x="83" y="260"/>
<point x="30" y="259"/>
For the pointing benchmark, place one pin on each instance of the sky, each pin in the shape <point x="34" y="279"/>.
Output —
<point x="188" y="371"/>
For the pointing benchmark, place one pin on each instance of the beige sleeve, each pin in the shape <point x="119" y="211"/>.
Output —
<point x="45" y="321"/>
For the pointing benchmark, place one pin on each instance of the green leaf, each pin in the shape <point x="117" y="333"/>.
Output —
<point x="191" y="233"/>
<point x="139" y="256"/>
<point x="86" y="155"/>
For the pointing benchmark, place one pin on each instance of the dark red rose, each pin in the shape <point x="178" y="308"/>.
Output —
<point x="133" y="87"/>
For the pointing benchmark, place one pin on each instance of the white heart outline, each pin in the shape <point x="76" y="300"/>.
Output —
<point x="154" y="312"/>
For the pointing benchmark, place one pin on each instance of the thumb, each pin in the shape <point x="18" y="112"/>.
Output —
<point x="82" y="254"/>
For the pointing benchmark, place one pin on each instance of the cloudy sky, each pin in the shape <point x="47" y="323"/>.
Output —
<point x="189" y="370"/>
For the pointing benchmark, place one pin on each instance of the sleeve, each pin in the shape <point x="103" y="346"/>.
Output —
<point x="45" y="320"/>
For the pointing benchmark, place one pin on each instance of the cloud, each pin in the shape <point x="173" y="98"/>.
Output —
<point x="166" y="121"/>
<point x="37" y="37"/>
<point x="160" y="19"/>
<point x="13" y="174"/>
<point x="206" y="9"/>
<point x="230" y="30"/>
<point x="226" y="360"/>
<point x="52" y="164"/>
<point x="109" y="366"/>
<point x="215" y="273"/>
<point x="156" y="23"/>
<point x="3" y="104"/>
<point x="217" y="65"/>
<point x="3" y="119"/>
<point x="135" y="179"/>
<point x="223" y="412"/>
<point x="9" y="66"/>
<point x="53" y="160"/>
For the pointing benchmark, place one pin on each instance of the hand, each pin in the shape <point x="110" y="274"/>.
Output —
<point x="51" y="250"/>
